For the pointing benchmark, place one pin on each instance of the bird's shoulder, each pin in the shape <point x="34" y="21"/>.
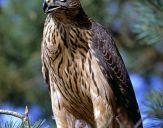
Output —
<point x="106" y="50"/>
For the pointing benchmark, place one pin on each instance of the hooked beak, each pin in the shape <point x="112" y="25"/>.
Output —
<point x="49" y="6"/>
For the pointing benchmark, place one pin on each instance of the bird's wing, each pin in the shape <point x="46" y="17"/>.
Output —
<point x="114" y="70"/>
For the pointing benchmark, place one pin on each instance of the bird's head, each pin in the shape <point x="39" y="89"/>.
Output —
<point x="50" y="6"/>
<point x="66" y="11"/>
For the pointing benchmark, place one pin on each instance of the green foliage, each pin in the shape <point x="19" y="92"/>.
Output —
<point x="21" y="28"/>
<point x="38" y="124"/>
<point x="142" y="37"/>
<point x="148" y="25"/>
<point x="154" y="106"/>
<point x="11" y="124"/>
<point x="96" y="8"/>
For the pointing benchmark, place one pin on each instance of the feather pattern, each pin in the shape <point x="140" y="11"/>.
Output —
<point x="87" y="80"/>
<point x="114" y="69"/>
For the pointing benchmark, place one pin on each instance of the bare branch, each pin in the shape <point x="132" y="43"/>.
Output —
<point x="23" y="117"/>
<point x="12" y="113"/>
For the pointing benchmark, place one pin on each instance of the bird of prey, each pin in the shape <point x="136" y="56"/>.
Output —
<point x="87" y="79"/>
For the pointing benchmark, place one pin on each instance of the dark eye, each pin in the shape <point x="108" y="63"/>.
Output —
<point x="63" y="0"/>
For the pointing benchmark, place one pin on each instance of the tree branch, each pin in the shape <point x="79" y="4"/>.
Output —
<point x="12" y="113"/>
<point x="23" y="117"/>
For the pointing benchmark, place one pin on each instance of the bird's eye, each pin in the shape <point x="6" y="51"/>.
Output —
<point x="63" y="0"/>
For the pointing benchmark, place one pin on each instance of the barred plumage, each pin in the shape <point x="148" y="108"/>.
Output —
<point x="88" y="83"/>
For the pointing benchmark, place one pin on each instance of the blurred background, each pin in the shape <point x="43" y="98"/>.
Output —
<point x="137" y="27"/>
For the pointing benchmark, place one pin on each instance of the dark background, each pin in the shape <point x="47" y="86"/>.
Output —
<point x="137" y="27"/>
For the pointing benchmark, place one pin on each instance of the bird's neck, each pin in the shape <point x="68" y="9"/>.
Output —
<point x="74" y="16"/>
